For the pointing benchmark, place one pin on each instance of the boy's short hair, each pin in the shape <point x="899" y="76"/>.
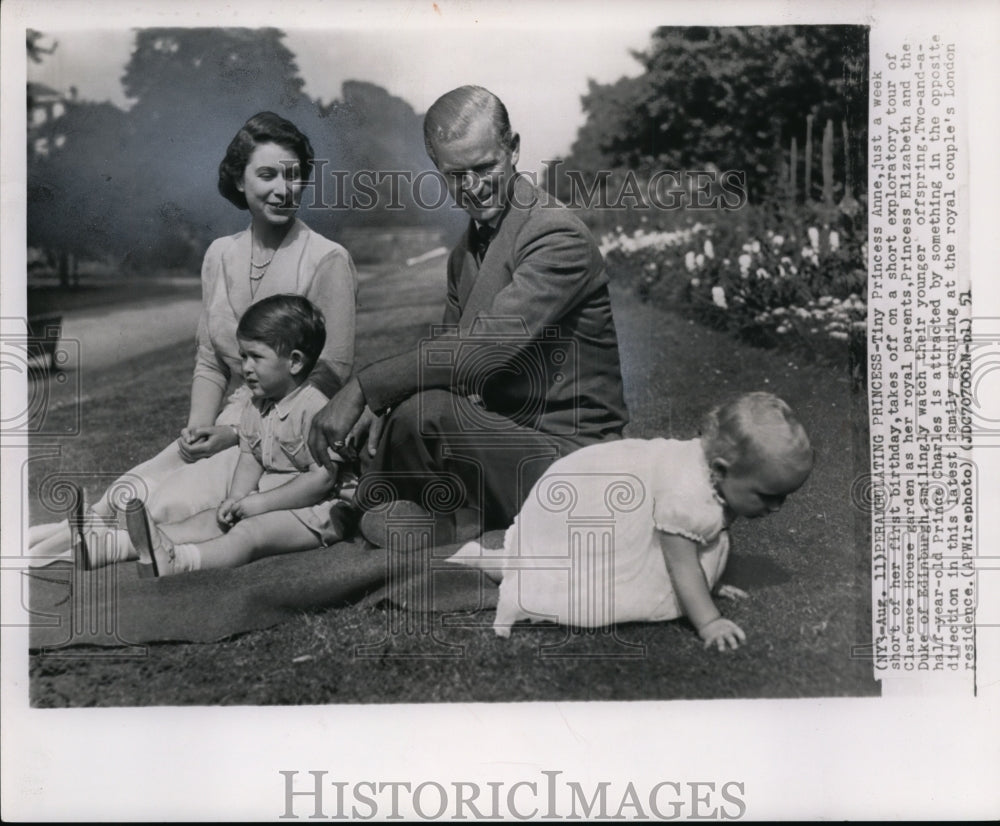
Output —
<point x="748" y="428"/>
<point x="264" y="127"/>
<point x="284" y="323"/>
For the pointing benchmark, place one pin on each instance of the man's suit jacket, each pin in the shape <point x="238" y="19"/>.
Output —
<point x="529" y="330"/>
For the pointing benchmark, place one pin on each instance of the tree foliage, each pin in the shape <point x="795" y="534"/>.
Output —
<point x="140" y="184"/>
<point x="732" y="97"/>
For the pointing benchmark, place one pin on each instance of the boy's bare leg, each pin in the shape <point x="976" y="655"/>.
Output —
<point x="268" y="534"/>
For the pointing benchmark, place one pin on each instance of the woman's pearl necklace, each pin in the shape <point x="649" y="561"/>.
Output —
<point x="256" y="277"/>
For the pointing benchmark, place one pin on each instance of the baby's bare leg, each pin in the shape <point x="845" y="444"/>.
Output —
<point x="269" y="534"/>
<point x="476" y="555"/>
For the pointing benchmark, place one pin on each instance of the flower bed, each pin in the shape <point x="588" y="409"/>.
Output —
<point x="790" y="282"/>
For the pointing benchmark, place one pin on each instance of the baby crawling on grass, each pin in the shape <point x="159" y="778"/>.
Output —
<point x="636" y="529"/>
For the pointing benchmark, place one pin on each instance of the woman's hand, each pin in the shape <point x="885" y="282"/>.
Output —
<point x="334" y="423"/>
<point x="722" y="632"/>
<point x="201" y="442"/>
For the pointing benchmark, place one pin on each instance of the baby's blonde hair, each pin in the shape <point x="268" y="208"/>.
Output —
<point x="752" y="427"/>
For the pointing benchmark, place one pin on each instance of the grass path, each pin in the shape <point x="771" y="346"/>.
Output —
<point x="805" y="567"/>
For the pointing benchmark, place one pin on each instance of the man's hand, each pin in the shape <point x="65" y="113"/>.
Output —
<point x="334" y="423"/>
<point x="371" y="425"/>
<point x="201" y="442"/>
<point x="721" y="633"/>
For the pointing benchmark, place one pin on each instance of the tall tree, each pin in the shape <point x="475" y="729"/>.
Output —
<point x="75" y="194"/>
<point x="728" y="97"/>
<point x="380" y="137"/>
<point x="193" y="88"/>
<point x="140" y="185"/>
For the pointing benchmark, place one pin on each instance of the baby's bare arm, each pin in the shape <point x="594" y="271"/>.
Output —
<point x="681" y="558"/>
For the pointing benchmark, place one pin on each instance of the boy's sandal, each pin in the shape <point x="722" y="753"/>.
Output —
<point x="138" y="531"/>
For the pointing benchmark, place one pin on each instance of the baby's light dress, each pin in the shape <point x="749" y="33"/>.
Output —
<point x="584" y="550"/>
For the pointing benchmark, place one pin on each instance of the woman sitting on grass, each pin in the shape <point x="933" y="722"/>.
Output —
<point x="279" y="500"/>
<point x="264" y="171"/>
<point x="672" y="501"/>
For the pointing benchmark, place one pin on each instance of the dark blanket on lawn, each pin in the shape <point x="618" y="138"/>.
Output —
<point x="115" y="607"/>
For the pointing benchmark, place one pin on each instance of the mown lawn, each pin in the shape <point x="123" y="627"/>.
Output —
<point x="806" y="568"/>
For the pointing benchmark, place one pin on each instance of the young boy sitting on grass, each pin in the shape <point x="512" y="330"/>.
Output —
<point x="280" y="500"/>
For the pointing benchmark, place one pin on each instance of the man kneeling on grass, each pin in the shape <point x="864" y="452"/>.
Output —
<point x="280" y="500"/>
<point x="524" y="368"/>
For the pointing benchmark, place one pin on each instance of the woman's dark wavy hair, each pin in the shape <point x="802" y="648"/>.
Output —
<point x="264" y="127"/>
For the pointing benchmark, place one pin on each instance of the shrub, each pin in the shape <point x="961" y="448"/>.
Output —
<point x="794" y="279"/>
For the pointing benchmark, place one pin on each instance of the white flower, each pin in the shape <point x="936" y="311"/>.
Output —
<point x="755" y="246"/>
<point x="837" y="334"/>
<point x="689" y="261"/>
<point x="709" y="249"/>
<point x="699" y="259"/>
<point x="745" y="261"/>
<point x="813" y="237"/>
<point x="763" y="274"/>
<point x="778" y="240"/>
<point x="834" y="240"/>
<point x="782" y="329"/>
<point x="719" y="297"/>
<point x="695" y="282"/>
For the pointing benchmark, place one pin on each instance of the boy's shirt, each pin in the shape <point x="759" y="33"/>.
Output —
<point x="276" y="433"/>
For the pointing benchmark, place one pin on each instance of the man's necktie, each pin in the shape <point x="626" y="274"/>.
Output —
<point x="482" y="234"/>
